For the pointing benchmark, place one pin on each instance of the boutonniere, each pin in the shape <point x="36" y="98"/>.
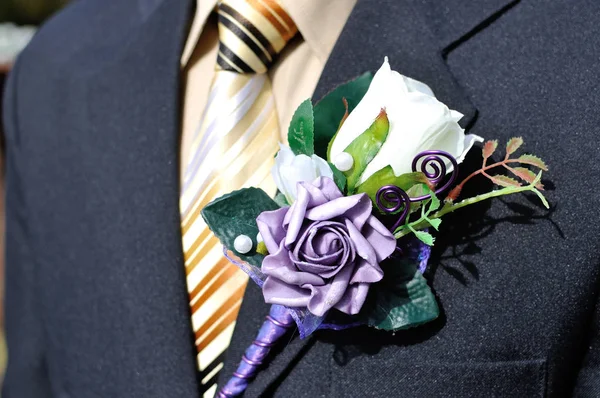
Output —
<point x="368" y="176"/>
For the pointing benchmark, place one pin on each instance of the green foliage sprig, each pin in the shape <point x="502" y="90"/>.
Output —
<point x="431" y="214"/>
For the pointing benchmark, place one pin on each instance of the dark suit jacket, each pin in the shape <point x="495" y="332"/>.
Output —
<point x="96" y="300"/>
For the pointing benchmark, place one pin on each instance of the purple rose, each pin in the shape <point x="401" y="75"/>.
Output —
<point x="324" y="250"/>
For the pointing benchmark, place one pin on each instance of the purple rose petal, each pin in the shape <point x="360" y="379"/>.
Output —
<point x="327" y="250"/>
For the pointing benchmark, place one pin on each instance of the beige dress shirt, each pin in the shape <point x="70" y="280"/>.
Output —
<point x="294" y="76"/>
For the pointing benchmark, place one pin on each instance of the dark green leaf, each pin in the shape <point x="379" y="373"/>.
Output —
<point x="401" y="300"/>
<point x="364" y="148"/>
<point x="339" y="178"/>
<point x="330" y="110"/>
<point x="385" y="177"/>
<point x="235" y="214"/>
<point x="301" y="133"/>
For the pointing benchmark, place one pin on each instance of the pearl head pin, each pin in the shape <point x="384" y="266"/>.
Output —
<point x="242" y="244"/>
<point x="343" y="161"/>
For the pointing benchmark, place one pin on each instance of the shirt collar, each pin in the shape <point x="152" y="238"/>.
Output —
<point x="319" y="22"/>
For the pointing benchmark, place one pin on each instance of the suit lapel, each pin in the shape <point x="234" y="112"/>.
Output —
<point x="132" y="149"/>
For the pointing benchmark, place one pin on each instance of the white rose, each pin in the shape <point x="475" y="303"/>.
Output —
<point x="418" y="122"/>
<point x="289" y="169"/>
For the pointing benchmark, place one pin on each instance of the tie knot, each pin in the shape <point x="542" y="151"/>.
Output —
<point x="251" y="34"/>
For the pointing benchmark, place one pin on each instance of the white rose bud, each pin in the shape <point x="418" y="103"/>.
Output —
<point x="290" y="169"/>
<point x="418" y="122"/>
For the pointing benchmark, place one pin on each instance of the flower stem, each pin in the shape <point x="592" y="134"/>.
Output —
<point x="451" y="207"/>
<point x="485" y="167"/>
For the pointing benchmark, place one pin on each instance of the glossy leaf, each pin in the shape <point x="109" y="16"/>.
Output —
<point x="235" y="214"/>
<point x="330" y="110"/>
<point x="401" y="300"/>
<point x="364" y="148"/>
<point x="339" y="178"/>
<point x="385" y="177"/>
<point x="301" y="133"/>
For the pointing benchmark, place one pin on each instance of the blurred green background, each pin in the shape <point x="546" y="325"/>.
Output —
<point x="28" y="12"/>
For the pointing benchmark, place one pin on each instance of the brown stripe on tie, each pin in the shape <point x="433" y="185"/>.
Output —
<point x="214" y="286"/>
<point x="267" y="13"/>
<point x="283" y="15"/>
<point x="210" y="275"/>
<point x="232" y="302"/>
<point x="218" y="329"/>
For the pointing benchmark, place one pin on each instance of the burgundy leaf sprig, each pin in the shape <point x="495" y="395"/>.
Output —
<point x="513" y="165"/>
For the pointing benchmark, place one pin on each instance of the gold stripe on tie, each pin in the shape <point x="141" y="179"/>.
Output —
<point x="233" y="147"/>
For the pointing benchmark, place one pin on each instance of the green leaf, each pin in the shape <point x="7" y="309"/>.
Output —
<point x="338" y="177"/>
<point x="537" y="180"/>
<point x="435" y="223"/>
<point x="301" y="133"/>
<point x="401" y="300"/>
<point x="385" y="177"/>
<point x="542" y="198"/>
<point x="424" y="237"/>
<point x="330" y="110"/>
<point x="533" y="160"/>
<point x="364" y="148"/>
<point x="434" y="203"/>
<point x="281" y="200"/>
<point x="513" y="144"/>
<point x="505" y="181"/>
<point x="235" y="214"/>
<point x="413" y="192"/>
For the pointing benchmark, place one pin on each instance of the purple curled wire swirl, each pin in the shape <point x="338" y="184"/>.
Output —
<point x="435" y="169"/>
<point x="393" y="200"/>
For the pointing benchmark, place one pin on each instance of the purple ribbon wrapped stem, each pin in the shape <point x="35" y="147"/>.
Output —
<point x="275" y="326"/>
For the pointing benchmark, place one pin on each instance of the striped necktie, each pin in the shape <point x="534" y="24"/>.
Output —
<point x="233" y="147"/>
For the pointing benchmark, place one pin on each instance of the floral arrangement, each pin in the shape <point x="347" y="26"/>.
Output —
<point x="347" y="238"/>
